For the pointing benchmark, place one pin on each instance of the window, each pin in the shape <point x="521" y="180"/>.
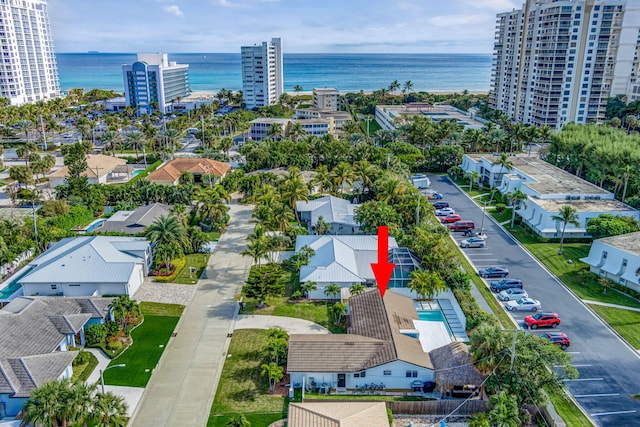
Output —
<point x="54" y="287"/>
<point x="604" y="254"/>
<point x="411" y="374"/>
<point x="360" y="374"/>
<point x="386" y="373"/>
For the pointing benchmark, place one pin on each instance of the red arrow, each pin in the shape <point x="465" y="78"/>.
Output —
<point x="383" y="269"/>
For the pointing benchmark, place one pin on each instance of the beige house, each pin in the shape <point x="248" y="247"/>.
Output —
<point x="99" y="169"/>
<point x="338" y="414"/>
<point x="200" y="168"/>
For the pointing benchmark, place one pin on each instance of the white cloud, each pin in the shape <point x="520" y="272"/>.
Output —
<point x="226" y="3"/>
<point x="409" y="6"/>
<point x="173" y="9"/>
<point x="498" y="5"/>
<point x="454" y="20"/>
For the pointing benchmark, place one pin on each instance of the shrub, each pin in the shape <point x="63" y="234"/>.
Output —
<point x="112" y="329"/>
<point x="95" y="334"/>
<point x="178" y="265"/>
<point x="500" y="207"/>
<point x="114" y="345"/>
<point x="82" y="358"/>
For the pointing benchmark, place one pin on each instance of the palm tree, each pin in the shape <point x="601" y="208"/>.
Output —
<point x="338" y="310"/>
<point x="257" y="249"/>
<point x="123" y="306"/>
<point x="295" y="131"/>
<point x="332" y="290"/>
<point x="395" y="85"/>
<point x="342" y="174"/>
<point x="238" y="420"/>
<point x="110" y="139"/>
<point x="308" y="287"/>
<point x="294" y="189"/>
<point x="515" y="197"/>
<point x="627" y="171"/>
<point x="567" y="215"/>
<point x="167" y="229"/>
<point x="504" y="411"/>
<point x="488" y="342"/>
<point x="45" y="406"/>
<point x="135" y="138"/>
<point x="357" y="289"/>
<point x="274" y="131"/>
<point x="109" y="410"/>
<point x="472" y="176"/>
<point x="274" y="372"/>
<point x="408" y="86"/>
<point x="365" y="173"/>
<point x="297" y="88"/>
<point x="426" y="284"/>
<point x="504" y="163"/>
<point x="323" y="180"/>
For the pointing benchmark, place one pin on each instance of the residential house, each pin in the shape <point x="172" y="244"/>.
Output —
<point x="99" y="169"/>
<point x="343" y="260"/>
<point x="338" y="414"/>
<point x="37" y="333"/>
<point x="333" y="210"/>
<point x="89" y="265"/>
<point x="133" y="222"/>
<point x="548" y="189"/>
<point x="201" y="169"/>
<point x="380" y="347"/>
<point x="617" y="258"/>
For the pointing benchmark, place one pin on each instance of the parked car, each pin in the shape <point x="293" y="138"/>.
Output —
<point x="493" y="271"/>
<point x="445" y="212"/>
<point x="542" y="320"/>
<point x="504" y="284"/>
<point x="433" y="195"/>
<point x="513" y="293"/>
<point x="440" y="204"/>
<point x="558" y="338"/>
<point x="462" y="226"/>
<point x="450" y="218"/>
<point x="524" y="304"/>
<point x="473" y="242"/>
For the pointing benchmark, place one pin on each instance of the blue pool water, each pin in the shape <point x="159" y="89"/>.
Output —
<point x="431" y="315"/>
<point x="136" y="172"/>
<point x="94" y="225"/>
<point x="13" y="286"/>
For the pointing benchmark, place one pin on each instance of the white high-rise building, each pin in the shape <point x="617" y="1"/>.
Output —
<point x="153" y="82"/>
<point x="28" y="70"/>
<point x="557" y="61"/>
<point x="262" y="74"/>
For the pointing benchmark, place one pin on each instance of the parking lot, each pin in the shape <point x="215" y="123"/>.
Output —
<point x="609" y="369"/>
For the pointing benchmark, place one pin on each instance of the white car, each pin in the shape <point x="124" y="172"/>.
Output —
<point x="445" y="211"/>
<point x="513" y="293"/>
<point x="524" y="304"/>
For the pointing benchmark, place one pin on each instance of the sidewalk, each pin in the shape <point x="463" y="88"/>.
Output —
<point x="605" y="304"/>
<point x="184" y="384"/>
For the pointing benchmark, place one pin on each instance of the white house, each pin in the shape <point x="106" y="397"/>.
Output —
<point x="89" y="265"/>
<point x="37" y="333"/>
<point x="548" y="189"/>
<point x="333" y="210"/>
<point x="343" y="260"/>
<point x="617" y="258"/>
<point x="98" y="171"/>
<point x="378" y="348"/>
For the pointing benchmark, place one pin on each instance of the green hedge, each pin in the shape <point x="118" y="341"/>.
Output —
<point x="146" y="172"/>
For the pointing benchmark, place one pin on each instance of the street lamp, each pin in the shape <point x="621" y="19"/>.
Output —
<point x="121" y="365"/>
<point x="484" y="213"/>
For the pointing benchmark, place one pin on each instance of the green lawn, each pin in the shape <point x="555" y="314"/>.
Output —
<point x="256" y="420"/>
<point x="625" y="322"/>
<point x="199" y="261"/>
<point x="501" y="216"/>
<point x="149" y="340"/>
<point x="82" y="372"/>
<point x="160" y="309"/>
<point x="243" y="388"/>
<point x="567" y="409"/>
<point x="213" y="236"/>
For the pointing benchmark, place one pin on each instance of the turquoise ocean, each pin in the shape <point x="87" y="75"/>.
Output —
<point x="346" y="72"/>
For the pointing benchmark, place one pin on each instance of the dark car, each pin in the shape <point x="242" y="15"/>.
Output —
<point x="558" y="338"/>
<point x="440" y="205"/>
<point x="542" y="320"/>
<point x="493" y="271"/>
<point x="504" y="284"/>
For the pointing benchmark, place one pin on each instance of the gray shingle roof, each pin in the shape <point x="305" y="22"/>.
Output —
<point x="331" y="209"/>
<point x="133" y="222"/>
<point x="87" y="259"/>
<point x="31" y="331"/>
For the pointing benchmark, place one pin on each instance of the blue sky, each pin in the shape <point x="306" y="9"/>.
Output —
<point x="377" y="26"/>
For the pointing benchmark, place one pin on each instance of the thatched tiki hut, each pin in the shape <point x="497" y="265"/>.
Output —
<point x="454" y="370"/>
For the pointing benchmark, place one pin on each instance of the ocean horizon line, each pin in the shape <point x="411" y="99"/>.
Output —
<point x="100" y="52"/>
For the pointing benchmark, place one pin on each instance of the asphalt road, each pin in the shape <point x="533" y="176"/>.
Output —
<point x="609" y="369"/>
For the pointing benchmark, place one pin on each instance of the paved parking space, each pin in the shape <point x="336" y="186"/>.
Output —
<point x="609" y="368"/>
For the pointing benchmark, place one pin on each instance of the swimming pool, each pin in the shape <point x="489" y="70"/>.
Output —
<point x="136" y="172"/>
<point x="13" y="286"/>
<point x="434" y="316"/>
<point x="94" y="225"/>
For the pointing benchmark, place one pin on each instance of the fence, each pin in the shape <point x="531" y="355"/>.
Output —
<point x="426" y="407"/>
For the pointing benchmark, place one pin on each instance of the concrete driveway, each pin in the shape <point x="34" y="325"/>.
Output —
<point x="289" y="324"/>
<point x="609" y="368"/>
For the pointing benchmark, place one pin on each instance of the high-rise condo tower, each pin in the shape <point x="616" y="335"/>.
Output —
<point x="262" y="75"/>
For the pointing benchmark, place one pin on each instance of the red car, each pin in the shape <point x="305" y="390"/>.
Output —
<point x="558" y="338"/>
<point x="450" y="218"/>
<point x="542" y="320"/>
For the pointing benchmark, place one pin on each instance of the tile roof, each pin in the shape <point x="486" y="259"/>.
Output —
<point x="87" y="259"/>
<point x="96" y="164"/>
<point x="340" y="259"/>
<point x="338" y="414"/>
<point x="172" y="170"/>
<point x="331" y="209"/>
<point x="31" y="331"/>
<point x="373" y="339"/>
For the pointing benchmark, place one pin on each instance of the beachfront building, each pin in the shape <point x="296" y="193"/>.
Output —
<point x="29" y="72"/>
<point x="391" y="116"/>
<point x="548" y="189"/>
<point x="557" y="61"/>
<point x="263" y="127"/>
<point x="89" y="265"/>
<point x="100" y="169"/>
<point x="262" y="74"/>
<point x="200" y="170"/>
<point x="617" y="258"/>
<point x="37" y="334"/>
<point x="152" y="83"/>
<point x="326" y="98"/>
<point x="335" y="211"/>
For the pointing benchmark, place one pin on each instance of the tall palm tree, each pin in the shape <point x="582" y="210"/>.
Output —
<point x="332" y="290"/>
<point x="109" y="410"/>
<point x="395" y="85"/>
<point x="167" y="229"/>
<point x="365" y="173"/>
<point x="274" y="372"/>
<point x="504" y="163"/>
<point x="257" y="250"/>
<point x="274" y="131"/>
<point x="294" y="189"/>
<point x="515" y="197"/>
<point x="323" y="180"/>
<point x="504" y="410"/>
<point x="472" y="176"/>
<point x="426" y="284"/>
<point x="408" y="86"/>
<point x="567" y="215"/>
<point x="110" y="140"/>
<point x="488" y="342"/>
<point x="44" y="407"/>
<point x="342" y="174"/>
<point x="135" y="138"/>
